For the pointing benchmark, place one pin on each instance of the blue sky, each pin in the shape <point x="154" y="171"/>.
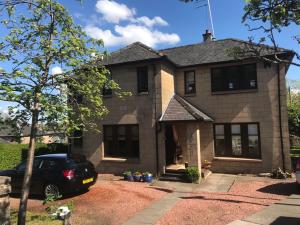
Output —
<point x="165" y="23"/>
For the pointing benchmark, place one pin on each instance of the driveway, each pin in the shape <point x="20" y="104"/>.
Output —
<point x="245" y="196"/>
<point x="110" y="201"/>
<point x="220" y="200"/>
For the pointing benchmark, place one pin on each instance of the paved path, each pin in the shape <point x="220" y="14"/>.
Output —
<point x="150" y="215"/>
<point x="285" y="212"/>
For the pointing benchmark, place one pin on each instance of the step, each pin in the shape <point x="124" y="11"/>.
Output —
<point x="172" y="177"/>
<point x="175" y="179"/>
<point x="180" y="171"/>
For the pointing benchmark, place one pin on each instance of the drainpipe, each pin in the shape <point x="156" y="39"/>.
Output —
<point x="280" y="119"/>
<point x="156" y="127"/>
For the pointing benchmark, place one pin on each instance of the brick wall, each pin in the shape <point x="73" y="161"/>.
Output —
<point x="260" y="106"/>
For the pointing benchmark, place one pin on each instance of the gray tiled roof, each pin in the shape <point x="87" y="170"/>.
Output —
<point x="212" y="52"/>
<point x="188" y="55"/>
<point x="180" y="110"/>
<point x="132" y="53"/>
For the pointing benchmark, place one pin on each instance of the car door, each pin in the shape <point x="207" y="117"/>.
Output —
<point x="17" y="179"/>
<point x="48" y="170"/>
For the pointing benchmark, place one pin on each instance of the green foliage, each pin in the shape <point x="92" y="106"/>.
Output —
<point x="35" y="218"/>
<point x="294" y="113"/>
<point x="192" y="174"/>
<point x="36" y="40"/>
<point x="279" y="13"/>
<point x="12" y="154"/>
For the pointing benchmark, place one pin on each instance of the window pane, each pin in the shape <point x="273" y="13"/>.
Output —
<point x="252" y="129"/>
<point x="190" y="85"/>
<point x="135" y="132"/>
<point x="142" y="73"/>
<point x="236" y="145"/>
<point x="236" y="129"/>
<point x="234" y="78"/>
<point x="121" y="141"/>
<point x="219" y="129"/>
<point x="253" y="146"/>
<point x="220" y="147"/>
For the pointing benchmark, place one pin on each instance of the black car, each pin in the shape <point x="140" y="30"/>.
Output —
<point x="54" y="174"/>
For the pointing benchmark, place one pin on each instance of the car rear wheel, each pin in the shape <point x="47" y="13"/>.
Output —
<point x="51" y="190"/>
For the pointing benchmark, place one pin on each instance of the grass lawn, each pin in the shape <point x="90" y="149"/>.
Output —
<point x="35" y="218"/>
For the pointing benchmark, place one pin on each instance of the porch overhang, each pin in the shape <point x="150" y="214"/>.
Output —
<point x="179" y="110"/>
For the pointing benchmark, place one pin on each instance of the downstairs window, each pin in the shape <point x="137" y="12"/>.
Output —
<point x="237" y="140"/>
<point x="121" y="141"/>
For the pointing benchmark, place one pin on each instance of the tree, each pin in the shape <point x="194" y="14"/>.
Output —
<point x="272" y="16"/>
<point x="40" y="34"/>
<point x="294" y="111"/>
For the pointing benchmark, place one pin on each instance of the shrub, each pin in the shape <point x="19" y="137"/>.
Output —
<point x="192" y="174"/>
<point x="12" y="154"/>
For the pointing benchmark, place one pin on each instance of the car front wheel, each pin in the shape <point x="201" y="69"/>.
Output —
<point x="51" y="190"/>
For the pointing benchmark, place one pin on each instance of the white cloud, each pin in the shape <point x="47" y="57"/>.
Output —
<point x="114" y="12"/>
<point x="56" y="70"/>
<point x="137" y="28"/>
<point x="152" y="22"/>
<point x="128" y="34"/>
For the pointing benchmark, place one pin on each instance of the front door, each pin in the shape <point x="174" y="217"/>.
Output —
<point x="170" y="145"/>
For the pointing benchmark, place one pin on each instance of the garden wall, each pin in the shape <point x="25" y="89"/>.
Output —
<point x="4" y="200"/>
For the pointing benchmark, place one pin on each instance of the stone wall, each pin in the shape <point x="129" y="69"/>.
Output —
<point x="4" y="200"/>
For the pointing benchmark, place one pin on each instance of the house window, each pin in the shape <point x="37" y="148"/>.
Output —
<point x="121" y="141"/>
<point x="189" y="82"/>
<point x="232" y="78"/>
<point x="237" y="140"/>
<point x="78" y="138"/>
<point x="107" y="91"/>
<point x="142" y="79"/>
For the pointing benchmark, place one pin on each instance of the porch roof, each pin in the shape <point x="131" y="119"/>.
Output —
<point x="181" y="110"/>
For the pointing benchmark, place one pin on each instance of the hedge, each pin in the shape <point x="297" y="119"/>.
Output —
<point x="12" y="154"/>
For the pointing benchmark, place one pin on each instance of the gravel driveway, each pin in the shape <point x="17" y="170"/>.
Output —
<point x="246" y="196"/>
<point x="113" y="202"/>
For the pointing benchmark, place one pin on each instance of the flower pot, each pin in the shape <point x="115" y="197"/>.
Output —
<point x="148" y="178"/>
<point x="129" y="178"/>
<point x="137" y="177"/>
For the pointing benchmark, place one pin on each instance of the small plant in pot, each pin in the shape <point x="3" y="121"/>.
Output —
<point x="147" y="177"/>
<point x="137" y="176"/>
<point x="192" y="174"/>
<point x="128" y="175"/>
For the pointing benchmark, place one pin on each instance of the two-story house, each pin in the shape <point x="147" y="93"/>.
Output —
<point x="190" y="104"/>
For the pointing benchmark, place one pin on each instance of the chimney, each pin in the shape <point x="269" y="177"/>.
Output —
<point x="207" y="37"/>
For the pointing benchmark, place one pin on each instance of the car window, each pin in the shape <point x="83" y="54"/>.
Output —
<point x="36" y="164"/>
<point x="48" y="164"/>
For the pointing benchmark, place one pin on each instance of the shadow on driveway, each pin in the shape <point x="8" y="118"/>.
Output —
<point x="285" y="189"/>
<point x="224" y="200"/>
<point x="282" y="220"/>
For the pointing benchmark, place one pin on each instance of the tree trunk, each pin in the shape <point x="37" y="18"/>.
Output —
<point x="29" y="165"/>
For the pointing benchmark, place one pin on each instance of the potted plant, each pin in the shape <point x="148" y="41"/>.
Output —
<point x="137" y="176"/>
<point x="147" y="177"/>
<point x="128" y="175"/>
<point x="206" y="165"/>
<point x="192" y="174"/>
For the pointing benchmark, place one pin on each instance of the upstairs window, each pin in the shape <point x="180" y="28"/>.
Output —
<point x="142" y="79"/>
<point x="189" y="82"/>
<point x="233" y="78"/>
<point x="107" y="91"/>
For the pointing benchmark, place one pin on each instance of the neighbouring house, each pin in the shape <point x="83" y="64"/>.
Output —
<point x="8" y="135"/>
<point x="192" y="104"/>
